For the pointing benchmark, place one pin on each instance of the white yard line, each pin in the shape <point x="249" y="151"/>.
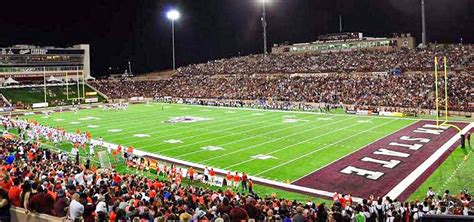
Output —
<point x="220" y="137"/>
<point x="415" y="174"/>
<point x="442" y="188"/>
<point x="193" y="128"/>
<point x="143" y="128"/>
<point x="131" y="116"/>
<point x="352" y="152"/>
<point x="208" y="132"/>
<point x="310" y="153"/>
<point x="292" y="145"/>
<point x="258" y="135"/>
<point x="271" y="141"/>
<point x="294" y="188"/>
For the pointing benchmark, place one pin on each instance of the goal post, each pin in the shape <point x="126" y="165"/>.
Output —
<point x="78" y="82"/>
<point x="444" y="120"/>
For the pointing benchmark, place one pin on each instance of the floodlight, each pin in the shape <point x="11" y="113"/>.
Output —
<point x="173" y="15"/>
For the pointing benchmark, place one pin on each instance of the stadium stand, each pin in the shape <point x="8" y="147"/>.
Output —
<point x="364" y="90"/>
<point x="48" y="183"/>
<point x="361" y="61"/>
<point x="363" y="81"/>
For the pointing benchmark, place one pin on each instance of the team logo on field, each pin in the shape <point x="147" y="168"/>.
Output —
<point x="92" y="126"/>
<point x="212" y="148"/>
<point x="141" y="135"/>
<point x="173" y="141"/>
<point x="263" y="157"/>
<point x="186" y="119"/>
<point x="75" y="123"/>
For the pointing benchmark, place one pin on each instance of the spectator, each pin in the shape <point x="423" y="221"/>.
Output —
<point x="61" y="204"/>
<point x="76" y="209"/>
<point x="42" y="202"/>
<point x="4" y="206"/>
<point x="238" y="214"/>
<point x="14" y="193"/>
<point x="250" y="208"/>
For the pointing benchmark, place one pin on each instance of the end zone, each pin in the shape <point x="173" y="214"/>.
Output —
<point x="390" y="165"/>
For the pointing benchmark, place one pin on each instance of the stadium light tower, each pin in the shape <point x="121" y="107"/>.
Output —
<point x="173" y="15"/>
<point x="423" y="23"/>
<point x="264" y="25"/>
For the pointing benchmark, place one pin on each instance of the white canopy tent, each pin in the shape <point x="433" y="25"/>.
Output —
<point x="10" y="81"/>
<point x="53" y="79"/>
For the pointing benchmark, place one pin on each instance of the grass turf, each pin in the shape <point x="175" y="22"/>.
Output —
<point x="454" y="175"/>
<point x="54" y="94"/>
<point x="264" y="144"/>
<point x="260" y="143"/>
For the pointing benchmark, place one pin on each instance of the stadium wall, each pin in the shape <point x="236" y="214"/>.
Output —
<point x="345" y="106"/>
<point x="20" y="215"/>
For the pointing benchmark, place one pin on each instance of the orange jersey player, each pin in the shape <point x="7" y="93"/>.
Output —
<point x="130" y="150"/>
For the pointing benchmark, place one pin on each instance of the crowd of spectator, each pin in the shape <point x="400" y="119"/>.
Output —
<point x="414" y="90"/>
<point x="363" y="61"/>
<point x="42" y="181"/>
<point x="351" y="78"/>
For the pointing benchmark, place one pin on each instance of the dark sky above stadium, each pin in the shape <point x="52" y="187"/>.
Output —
<point x="208" y="29"/>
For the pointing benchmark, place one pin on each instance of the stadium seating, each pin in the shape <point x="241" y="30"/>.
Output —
<point x="363" y="61"/>
<point x="365" y="90"/>
<point x="353" y="78"/>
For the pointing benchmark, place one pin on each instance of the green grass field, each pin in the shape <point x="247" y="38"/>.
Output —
<point x="54" y="94"/>
<point x="234" y="139"/>
<point x="454" y="175"/>
<point x="279" y="146"/>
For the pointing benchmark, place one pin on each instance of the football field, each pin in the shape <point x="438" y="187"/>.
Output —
<point x="275" y="145"/>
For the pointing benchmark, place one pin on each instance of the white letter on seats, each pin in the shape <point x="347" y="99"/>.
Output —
<point x="387" y="152"/>
<point x="387" y="164"/>
<point x="373" y="175"/>
<point x="408" y="138"/>
<point x="409" y="146"/>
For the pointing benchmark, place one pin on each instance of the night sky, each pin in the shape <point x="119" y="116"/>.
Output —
<point x="208" y="29"/>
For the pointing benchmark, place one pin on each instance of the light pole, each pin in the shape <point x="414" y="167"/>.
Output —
<point x="423" y="23"/>
<point x="264" y="25"/>
<point x="129" y="67"/>
<point x="173" y="15"/>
